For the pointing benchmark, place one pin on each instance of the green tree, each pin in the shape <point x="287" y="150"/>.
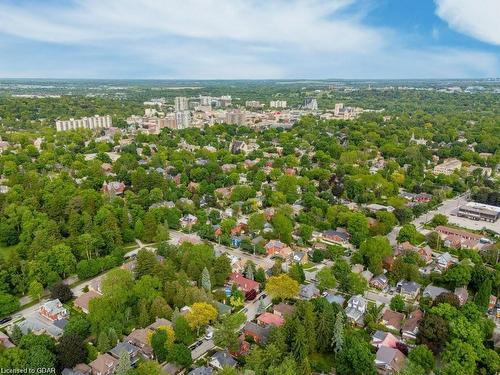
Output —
<point x="205" y="280"/>
<point x="357" y="226"/>
<point x="482" y="297"/>
<point x="408" y="233"/>
<point x="183" y="332"/>
<point x="439" y="219"/>
<point x="296" y="272"/>
<point x="338" y="333"/>
<point x="8" y="303"/>
<point x="70" y="350"/>
<point x="181" y="355"/>
<point x="62" y="292"/>
<point x="282" y="287"/>
<point x="372" y="253"/>
<point x="145" y="263"/>
<point x="103" y="344"/>
<point x="397" y="303"/>
<point x="355" y="358"/>
<point x="226" y="332"/>
<point x="325" y="279"/>
<point x="283" y="227"/>
<point x="159" y="344"/>
<point x="35" y="290"/>
<point x="124" y="364"/>
<point x="422" y="356"/>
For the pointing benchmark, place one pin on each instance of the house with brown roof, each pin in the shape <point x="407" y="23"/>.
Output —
<point x="246" y="285"/>
<point x="392" y="319"/>
<point x="83" y="301"/>
<point x="276" y="247"/>
<point x="389" y="360"/>
<point x="270" y="319"/>
<point x="104" y="364"/>
<point x="410" y="326"/>
<point x="284" y="310"/>
<point x="140" y="338"/>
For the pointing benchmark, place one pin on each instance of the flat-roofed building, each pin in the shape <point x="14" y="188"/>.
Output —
<point x="95" y="122"/>
<point x="479" y="211"/>
<point x="448" y="166"/>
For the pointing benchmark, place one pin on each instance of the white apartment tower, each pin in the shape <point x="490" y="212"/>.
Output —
<point x="278" y="104"/>
<point x="181" y="103"/>
<point x="182" y="119"/>
<point x="95" y="122"/>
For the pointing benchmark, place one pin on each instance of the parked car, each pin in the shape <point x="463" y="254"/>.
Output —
<point x="6" y="320"/>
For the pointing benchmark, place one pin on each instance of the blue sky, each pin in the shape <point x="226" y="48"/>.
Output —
<point x="254" y="39"/>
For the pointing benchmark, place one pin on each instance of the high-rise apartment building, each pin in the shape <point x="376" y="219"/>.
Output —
<point x="183" y="119"/>
<point x="278" y="104"/>
<point x="95" y="122"/>
<point x="181" y="103"/>
<point x="310" y="103"/>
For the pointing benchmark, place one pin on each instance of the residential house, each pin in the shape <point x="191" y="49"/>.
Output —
<point x="270" y="319"/>
<point x="113" y="188"/>
<point x="40" y="326"/>
<point x="380" y="282"/>
<point x="300" y="257"/>
<point x="335" y="298"/>
<point x="432" y="291"/>
<point x="79" y="369"/>
<point x="188" y="220"/>
<point x="140" y="338"/>
<point x="462" y="294"/>
<point x="284" y="310"/>
<point x="408" y="289"/>
<point x="203" y="370"/>
<point x="53" y="310"/>
<point x="160" y="322"/>
<point x="381" y="338"/>
<point x="276" y="247"/>
<point x="339" y="236"/>
<point x="259" y="333"/>
<point x="222" y="359"/>
<point x="356" y="308"/>
<point x="444" y="261"/>
<point x="82" y="302"/>
<point x="104" y="364"/>
<point x="389" y="360"/>
<point x="132" y="351"/>
<point x="367" y="275"/>
<point x="392" y="319"/>
<point x="308" y="291"/>
<point x="410" y="326"/>
<point x="244" y="284"/>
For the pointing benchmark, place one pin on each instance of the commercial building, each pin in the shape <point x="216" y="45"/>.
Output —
<point x="181" y="103"/>
<point x="183" y="119"/>
<point x="479" y="211"/>
<point x="448" y="166"/>
<point x="278" y="104"/>
<point x="235" y="117"/>
<point x="95" y="122"/>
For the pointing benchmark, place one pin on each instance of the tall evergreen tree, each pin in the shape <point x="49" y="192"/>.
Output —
<point x="205" y="280"/>
<point x="482" y="298"/>
<point x="338" y="333"/>
<point x="103" y="344"/>
<point x="124" y="364"/>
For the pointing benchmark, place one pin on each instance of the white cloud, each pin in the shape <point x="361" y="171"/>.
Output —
<point x="216" y="39"/>
<point x="476" y="18"/>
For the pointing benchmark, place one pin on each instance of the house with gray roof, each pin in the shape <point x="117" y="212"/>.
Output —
<point x="222" y="359"/>
<point x="432" y="291"/>
<point x="356" y="309"/>
<point x="130" y="349"/>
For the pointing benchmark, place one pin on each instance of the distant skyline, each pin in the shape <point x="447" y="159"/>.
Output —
<point x="249" y="39"/>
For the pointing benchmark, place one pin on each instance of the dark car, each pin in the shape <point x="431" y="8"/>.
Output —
<point x="6" y="320"/>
